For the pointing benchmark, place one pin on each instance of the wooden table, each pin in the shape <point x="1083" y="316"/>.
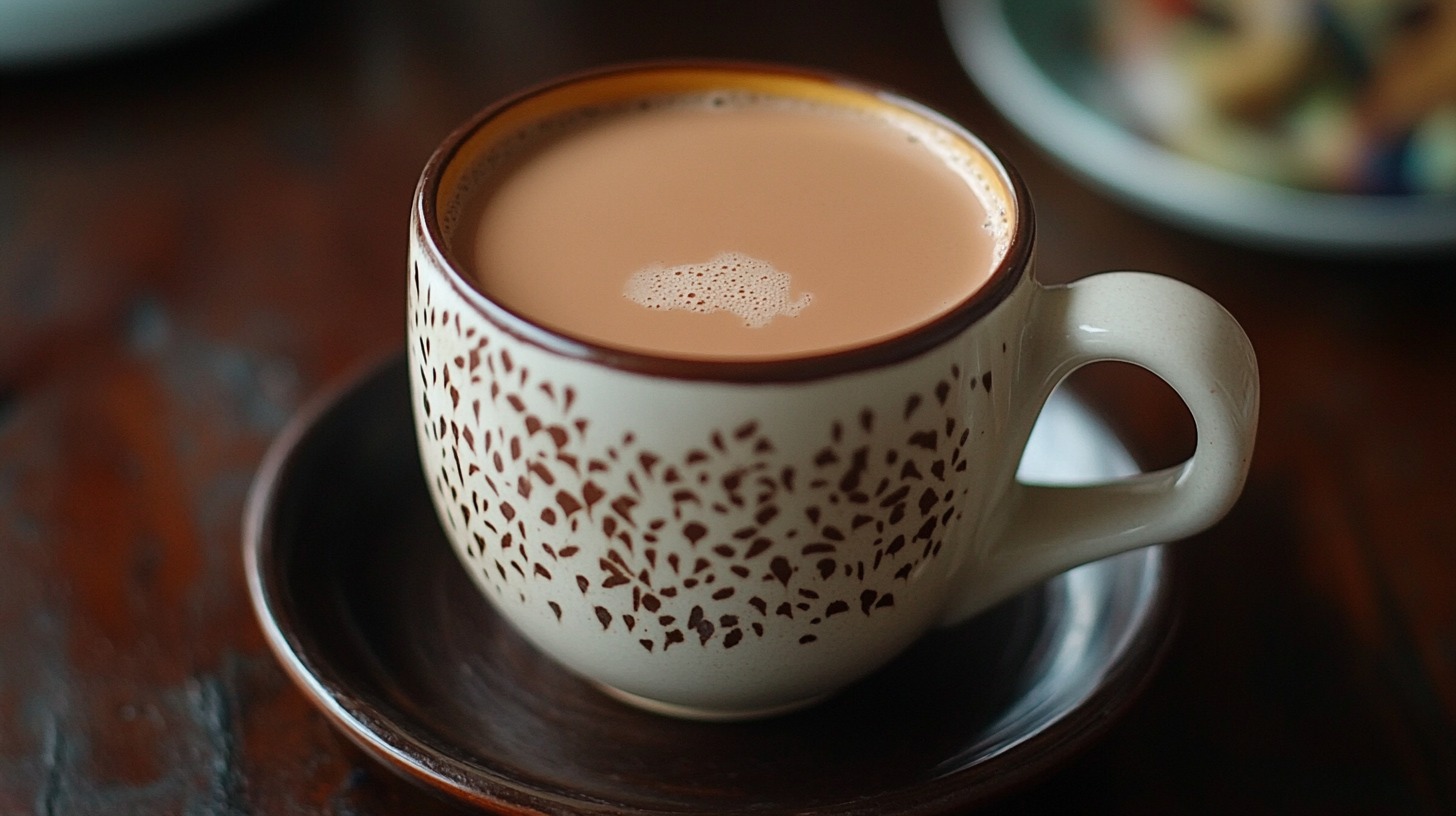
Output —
<point x="196" y="238"/>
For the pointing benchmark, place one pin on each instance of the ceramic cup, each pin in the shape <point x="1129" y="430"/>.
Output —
<point x="725" y="540"/>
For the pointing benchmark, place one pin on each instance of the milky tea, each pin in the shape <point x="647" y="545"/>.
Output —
<point x="730" y="225"/>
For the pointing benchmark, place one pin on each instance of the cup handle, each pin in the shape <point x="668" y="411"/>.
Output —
<point x="1192" y="343"/>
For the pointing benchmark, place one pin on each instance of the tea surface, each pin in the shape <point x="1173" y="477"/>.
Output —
<point x="714" y="227"/>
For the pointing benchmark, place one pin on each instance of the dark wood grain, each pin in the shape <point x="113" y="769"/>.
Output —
<point x="196" y="237"/>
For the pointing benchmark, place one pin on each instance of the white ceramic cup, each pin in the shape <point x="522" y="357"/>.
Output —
<point x="725" y="540"/>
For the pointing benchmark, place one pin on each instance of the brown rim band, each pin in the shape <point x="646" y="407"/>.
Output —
<point x="443" y="171"/>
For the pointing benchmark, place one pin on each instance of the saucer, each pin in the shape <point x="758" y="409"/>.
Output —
<point x="367" y="609"/>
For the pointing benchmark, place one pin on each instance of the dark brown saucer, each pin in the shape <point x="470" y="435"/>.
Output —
<point x="365" y="606"/>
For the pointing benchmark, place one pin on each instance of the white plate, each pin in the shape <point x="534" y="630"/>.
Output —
<point x="1030" y="58"/>
<point x="40" y="31"/>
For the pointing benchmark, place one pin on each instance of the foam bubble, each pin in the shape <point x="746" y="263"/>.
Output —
<point x="752" y="289"/>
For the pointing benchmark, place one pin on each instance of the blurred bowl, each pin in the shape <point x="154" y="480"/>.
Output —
<point x="40" y="31"/>
<point x="1033" y="61"/>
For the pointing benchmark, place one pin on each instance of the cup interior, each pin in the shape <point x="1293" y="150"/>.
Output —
<point x="470" y="156"/>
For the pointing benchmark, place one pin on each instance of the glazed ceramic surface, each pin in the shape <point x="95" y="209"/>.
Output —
<point x="38" y="31"/>
<point x="1036" y="60"/>
<point x="362" y="599"/>
<point x="724" y="540"/>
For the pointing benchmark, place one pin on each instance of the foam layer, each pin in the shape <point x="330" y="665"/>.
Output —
<point x="731" y="282"/>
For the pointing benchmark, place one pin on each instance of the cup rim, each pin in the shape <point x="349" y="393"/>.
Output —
<point x="883" y="351"/>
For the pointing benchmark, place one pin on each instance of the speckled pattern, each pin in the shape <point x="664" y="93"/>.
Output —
<point x="726" y="540"/>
